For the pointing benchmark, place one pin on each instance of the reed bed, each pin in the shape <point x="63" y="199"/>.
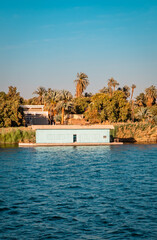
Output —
<point x="16" y="135"/>
<point x="138" y="132"/>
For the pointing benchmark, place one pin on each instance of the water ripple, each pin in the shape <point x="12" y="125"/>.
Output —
<point x="79" y="193"/>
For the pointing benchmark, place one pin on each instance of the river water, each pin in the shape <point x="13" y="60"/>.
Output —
<point x="107" y="192"/>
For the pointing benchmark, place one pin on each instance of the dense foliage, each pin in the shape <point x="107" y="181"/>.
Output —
<point x="103" y="107"/>
<point x="11" y="114"/>
<point x="111" y="104"/>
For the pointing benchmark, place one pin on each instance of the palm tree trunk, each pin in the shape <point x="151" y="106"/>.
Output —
<point x="132" y="110"/>
<point x="132" y="94"/>
<point x="40" y="100"/>
<point x="149" y="102"/>
<point x="78" y="91"/>
<point x="62" y="116"/>
<point x="110" y="91"/>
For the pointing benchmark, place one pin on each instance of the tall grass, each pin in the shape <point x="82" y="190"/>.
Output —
<point x="144" y="131"/>
<point x="16" y="136"/>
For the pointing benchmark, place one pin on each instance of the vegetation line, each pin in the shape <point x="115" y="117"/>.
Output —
<point x="112" y="104"/>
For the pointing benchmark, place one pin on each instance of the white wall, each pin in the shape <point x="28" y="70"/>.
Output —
<point x="66" y="135"/>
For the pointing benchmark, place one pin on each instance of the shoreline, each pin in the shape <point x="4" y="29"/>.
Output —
<point x="23" y="145"/>
<point x="127" y="133"/>
<point x="66" y="144"/>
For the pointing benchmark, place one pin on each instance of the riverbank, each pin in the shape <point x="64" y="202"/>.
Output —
<point x="123" y="132"/>
<point x="135" y="132"/>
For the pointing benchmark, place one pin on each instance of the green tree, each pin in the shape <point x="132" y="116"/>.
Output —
<point x="92" y="115"/>
<point x="103" y="107"/>
<point x="118" y="109"/>
<point x="101" y="102"/>
<point x="11" y="114"/>
<point x="3" y="96"/>
<point x="81" y="104"/>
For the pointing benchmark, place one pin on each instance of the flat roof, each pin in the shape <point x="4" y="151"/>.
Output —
<point x="32" y="106"/>
<point x="72" y="127"/>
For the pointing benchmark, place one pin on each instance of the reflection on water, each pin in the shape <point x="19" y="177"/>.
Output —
<point x="103" y="192"/>
<point x="8" y="145"/>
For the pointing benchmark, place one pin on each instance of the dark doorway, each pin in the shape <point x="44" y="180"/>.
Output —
<point x="74" y="138"/>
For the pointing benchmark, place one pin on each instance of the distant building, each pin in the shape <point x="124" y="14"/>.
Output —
<point x="35" y="115"/>
<point x="70" y="134"/>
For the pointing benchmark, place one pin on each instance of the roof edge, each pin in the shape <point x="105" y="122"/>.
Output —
<point x="34" y="127"/>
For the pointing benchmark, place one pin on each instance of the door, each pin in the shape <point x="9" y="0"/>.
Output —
<point x="74" y="138"/>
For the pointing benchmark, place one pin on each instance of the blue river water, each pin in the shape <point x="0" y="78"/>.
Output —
<point x="106" y="192"/>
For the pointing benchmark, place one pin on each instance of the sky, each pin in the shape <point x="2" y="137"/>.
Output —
<point x="47" y="42"/>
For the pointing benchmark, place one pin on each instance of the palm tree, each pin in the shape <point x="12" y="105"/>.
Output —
<point x="64" y="102"/>
<point x="144" y="114"/>
<point x="110" y="86"/>
<point x="141" y="100"/>
<point x="81" y="83"/>
<point x="50" y="99"/>
<point x="126" y="91"/>
<point x="132" y="102"/>
<point x="132" y="91"/>
<point x="114" y="84"/>
<point x="41" y="92"/>
<point x="51" y="96"/>
<point x="151" y="95"/>
<point x="104" y="90"/>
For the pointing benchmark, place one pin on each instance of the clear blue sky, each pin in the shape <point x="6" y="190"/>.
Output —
<point x="46" y="42"/>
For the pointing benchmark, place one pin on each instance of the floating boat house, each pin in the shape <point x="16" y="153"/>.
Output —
<point x="73" y="134"/>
